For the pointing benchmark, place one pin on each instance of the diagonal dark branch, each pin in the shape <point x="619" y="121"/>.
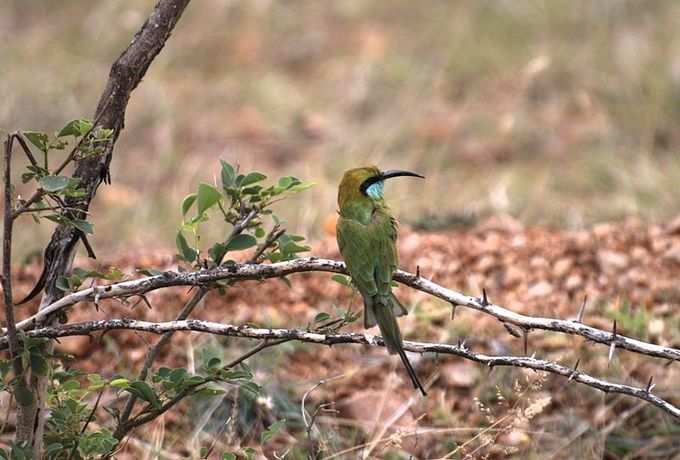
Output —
<point x="88" y="327"/>
<point x="126" y="73"/>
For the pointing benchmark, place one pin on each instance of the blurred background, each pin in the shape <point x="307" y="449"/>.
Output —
<point x="549" y="133"/>
<point x="560" y="113"/>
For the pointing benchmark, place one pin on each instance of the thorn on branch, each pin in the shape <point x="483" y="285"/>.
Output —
<point x="453" y="310"/>
<point x="95" y="296"/>
<point x="612" y="346"/>
<point x="511" y="330"/>
<point x="417" y="271"/>
<point x="582" y="309"/>
<point x="574" y="372"/>
<point x="146" y="301"/>
<point x="461" y="345"/>
<point x="485" y="299"/>
<point x="650" y="385"/>
<point x="88" y="246"/>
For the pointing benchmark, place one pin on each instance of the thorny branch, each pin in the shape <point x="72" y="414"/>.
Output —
<point x="241" y="225"/>
<point x="238" y="272"/>
<point x="86" y="328"/>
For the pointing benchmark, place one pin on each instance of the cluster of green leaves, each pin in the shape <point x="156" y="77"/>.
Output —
<point x="32" y="357"/>
<point x="69" y="431"/>
<point x="54" y="186"/>
<point x="65" y="434"/>
<point x="248" y="453"/>
<point x="239" y="196"/>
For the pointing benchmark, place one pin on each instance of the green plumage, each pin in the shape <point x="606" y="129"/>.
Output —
<point x="367" y="238"/>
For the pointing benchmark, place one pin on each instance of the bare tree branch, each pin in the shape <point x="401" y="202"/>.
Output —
<point x="86" y="328"/>
<point x="310" y="264"/>
<point x="126" y="73"/>
<point x="24" y="430"/>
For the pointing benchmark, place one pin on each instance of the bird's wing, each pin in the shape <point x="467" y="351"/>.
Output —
<point x="385" y="250"/>
<point x="355" y="242"/>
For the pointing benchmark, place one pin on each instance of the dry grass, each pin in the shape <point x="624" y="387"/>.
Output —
<point x="557" y="112"/>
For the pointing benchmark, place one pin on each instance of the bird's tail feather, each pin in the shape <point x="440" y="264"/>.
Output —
<point x="369" y="314"/>
<point x="387" y="322"/>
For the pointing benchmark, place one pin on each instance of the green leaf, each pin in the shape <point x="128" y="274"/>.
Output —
<point x="228" y="456"/>
<point x="209" y="392"/>
<point x="62" y="283"/>
<point x="185" y="251"/>
<point x="70" y="385"/>
<point x="291" y="248"/>
<point x="149" y="271"/>
<point x="217" y="252"/>
<point x="53" y="184"/>
<point x="187" y="203"/>
<point x="342" y="279"/>
<point x="271" y="431"/>
<point x="23" y="394"/>
<point x="178" y="375"/>
<point x="208" y="196"/>
<point x="250" y="388"/>
<point x="249" y="453"/>
<point x="237" y="375"/>
<point x="96" y="382"/>
<point x="302" y="186"/>
<point x="321" y="317"/>
<point x="259" y="232"/>
<point x="38" y="364"/>
<point x="142" y="390"/>
<point x="228" y="174"/>
<point x="82" y="225"/>
<point x="53" y="448"/>
<point x="254" y="190"/>
<point x="252" y="178"/>
<point x="38" y="139"/>
<point x="120" y="383"/>
<point x="240" y="242"/>
<point x="286" y="182"/>
<point x="75" y="128"/>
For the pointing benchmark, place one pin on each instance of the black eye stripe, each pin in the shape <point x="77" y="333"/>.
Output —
<point x="368" y="182"/>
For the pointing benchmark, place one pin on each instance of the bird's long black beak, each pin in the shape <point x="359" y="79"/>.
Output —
<point x="398" y="173"/>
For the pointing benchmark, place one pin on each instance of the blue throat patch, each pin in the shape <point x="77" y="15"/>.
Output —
<point x="375" y="190"/>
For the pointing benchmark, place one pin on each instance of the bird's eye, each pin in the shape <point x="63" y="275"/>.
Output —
<point x="375" y="190"/>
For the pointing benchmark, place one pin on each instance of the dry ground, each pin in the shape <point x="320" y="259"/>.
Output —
<point x="629" y="271"/>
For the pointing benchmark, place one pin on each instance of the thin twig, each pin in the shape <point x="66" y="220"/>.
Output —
<point x="238" y="272"/>
<point x="152" y="355"/>
<point x="88" y="421"/>
<point x="12" y="337"/>
<point x="365" y="339"/>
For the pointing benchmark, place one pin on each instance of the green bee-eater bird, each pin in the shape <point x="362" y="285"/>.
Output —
<point x="367" y="238"/>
